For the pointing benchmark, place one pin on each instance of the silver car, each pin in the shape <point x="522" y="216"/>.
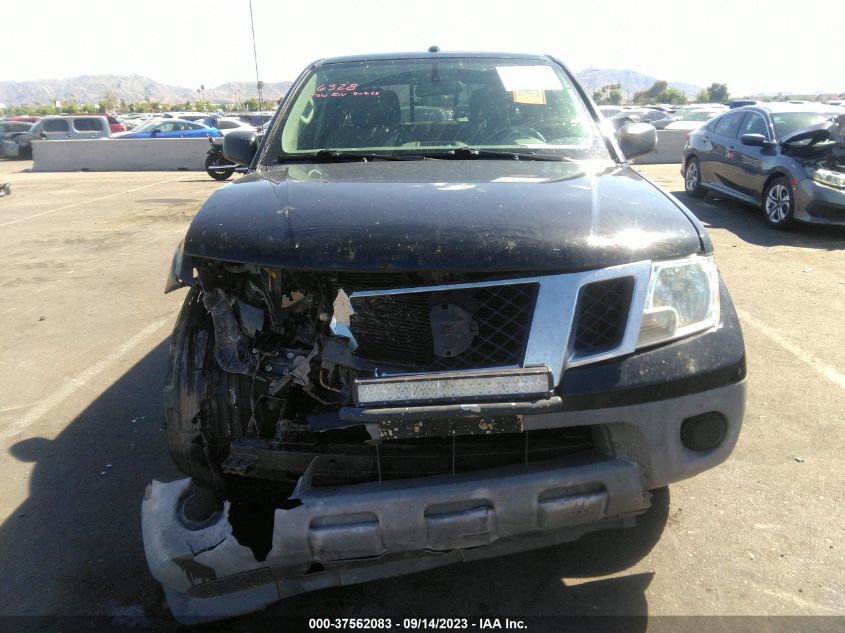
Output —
<point x="788" y="158"/>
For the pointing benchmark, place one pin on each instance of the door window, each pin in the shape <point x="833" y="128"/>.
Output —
<point x="55" y="125"/>
<point x="754" y="124"/>
<point x="87" y="125"/>
<point x="728" y="125"/>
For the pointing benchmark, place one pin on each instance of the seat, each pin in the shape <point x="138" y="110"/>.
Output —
<point x="490" y="112"/>
<point x="372" y="121"/>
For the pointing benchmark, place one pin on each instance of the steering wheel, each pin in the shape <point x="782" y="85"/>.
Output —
<point x="509" y="135"/>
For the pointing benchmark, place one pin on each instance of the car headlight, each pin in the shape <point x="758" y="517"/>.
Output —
<point x="828" y="177"/>
<point x="683" y="298"/>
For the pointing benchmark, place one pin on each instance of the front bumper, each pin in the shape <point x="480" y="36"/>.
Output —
<point x="9" y="149"/>
<point x="819" y="204"/>
<point x="356" y="533"/>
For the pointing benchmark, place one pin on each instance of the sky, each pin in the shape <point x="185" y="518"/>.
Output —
<point x="752" y="46"/>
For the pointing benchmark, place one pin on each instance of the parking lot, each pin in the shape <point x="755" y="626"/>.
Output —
<point x="82" y="358"/>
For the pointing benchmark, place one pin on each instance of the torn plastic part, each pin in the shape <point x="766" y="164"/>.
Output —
<point x="231" y="348"/>
<point x="251" y="318"/>
<point x="184" y="560"/>
<point x="342" y="311"/>
<point x="376" y="530"/>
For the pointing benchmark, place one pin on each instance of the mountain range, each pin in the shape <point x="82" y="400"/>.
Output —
<point x="630" y="80"/>
<point x="128" y="88"/>
<point x="138" y="89"/>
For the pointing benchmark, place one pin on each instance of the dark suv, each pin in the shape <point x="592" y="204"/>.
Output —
<point x="441" y="319"/>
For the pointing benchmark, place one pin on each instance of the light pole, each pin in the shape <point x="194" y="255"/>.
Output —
<point x="259" y="84"/>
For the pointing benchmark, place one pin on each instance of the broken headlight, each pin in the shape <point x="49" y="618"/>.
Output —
<point x="828" y="177"/>
<point x="683" y="298"/>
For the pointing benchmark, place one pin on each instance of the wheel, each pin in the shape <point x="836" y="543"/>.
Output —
<point x="692" y="179"/>
<point x="211" y="161"/>
<point x="205" y="407"/>
<point x="779" y="204"/>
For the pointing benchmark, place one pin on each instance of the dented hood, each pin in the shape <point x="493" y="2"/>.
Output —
<point x="810" y="138"/>
<point x="443" y="215"/>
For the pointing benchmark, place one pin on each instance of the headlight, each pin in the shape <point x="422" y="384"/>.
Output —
<point x="683" y="298"/>
<point x="828" y="177"/>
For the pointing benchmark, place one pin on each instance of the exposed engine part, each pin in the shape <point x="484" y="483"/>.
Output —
<point x="232" y="349"/>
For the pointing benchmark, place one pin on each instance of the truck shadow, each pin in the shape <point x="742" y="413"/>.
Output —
<point x="74" y="545"/>
<point x="746" y="222"/>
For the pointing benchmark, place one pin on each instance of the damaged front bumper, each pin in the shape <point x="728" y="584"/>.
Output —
<point x="818" y="203"/>
<point x="356" y="533"/>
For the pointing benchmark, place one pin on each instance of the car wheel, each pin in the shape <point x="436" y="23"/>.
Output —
<point x="692" y="179"/>
<point x="779" y="204"/>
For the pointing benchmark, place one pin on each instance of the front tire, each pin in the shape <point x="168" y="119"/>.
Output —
<point x="692" y="179"/>
<point x="779" y="204"/>
<point x="205" y="407"/>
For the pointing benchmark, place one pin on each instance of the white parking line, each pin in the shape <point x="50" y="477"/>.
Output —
<point x="73" y="385"/>
<point x="833" y="375"/>
<point x="84" y="202"/>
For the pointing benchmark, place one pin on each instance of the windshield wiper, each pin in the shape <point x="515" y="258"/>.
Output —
<point x="464" y="153"/>
<point x="340" y="156"/>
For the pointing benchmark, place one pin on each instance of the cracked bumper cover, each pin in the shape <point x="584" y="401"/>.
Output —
<point x="357" y="533"/>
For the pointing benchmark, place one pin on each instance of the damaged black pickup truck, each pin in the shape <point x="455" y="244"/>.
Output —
<point x="440" y="319"/>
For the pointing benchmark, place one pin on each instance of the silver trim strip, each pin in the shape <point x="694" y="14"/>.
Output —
<point x="549" y="341"/>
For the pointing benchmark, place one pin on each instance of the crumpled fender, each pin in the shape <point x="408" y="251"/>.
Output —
<point x="181" y="272"/>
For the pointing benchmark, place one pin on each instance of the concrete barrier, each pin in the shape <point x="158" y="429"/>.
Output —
<point x="137" y="154"/>
<point x="670" y="148"/>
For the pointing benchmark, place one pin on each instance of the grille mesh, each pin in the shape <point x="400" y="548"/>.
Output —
<point x="396" y="329"/>
<point x="602" y="314"/>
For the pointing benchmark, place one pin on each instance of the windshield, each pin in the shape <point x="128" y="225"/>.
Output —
<point x="786" y="123"/>
<point x="422" y="106"/>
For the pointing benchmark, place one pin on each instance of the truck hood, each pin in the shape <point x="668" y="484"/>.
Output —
<point x="471" y="215"/>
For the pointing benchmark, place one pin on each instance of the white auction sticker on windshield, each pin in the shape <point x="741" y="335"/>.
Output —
<point x="528" y="78"/>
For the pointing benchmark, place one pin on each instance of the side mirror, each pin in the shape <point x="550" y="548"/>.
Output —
<point x="155" y="132"/>
<point x="636" y="139"/>
<point x="754" y="140"/>
<point x="239" y="146"/>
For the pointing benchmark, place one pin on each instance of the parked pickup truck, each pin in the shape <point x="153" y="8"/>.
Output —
<point x="410" y="341"/>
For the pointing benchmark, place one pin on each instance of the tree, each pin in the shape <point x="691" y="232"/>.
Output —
<point x="660" y="92"/>
<point x="250" y="104"/>
<point x="650" y="95"/>
<point x="608" y="95"/>
<point x="671" y="95"/>
<point x="715" y="93"/>
<point x="109" y="101"/>
<point x="718" y="92"/>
